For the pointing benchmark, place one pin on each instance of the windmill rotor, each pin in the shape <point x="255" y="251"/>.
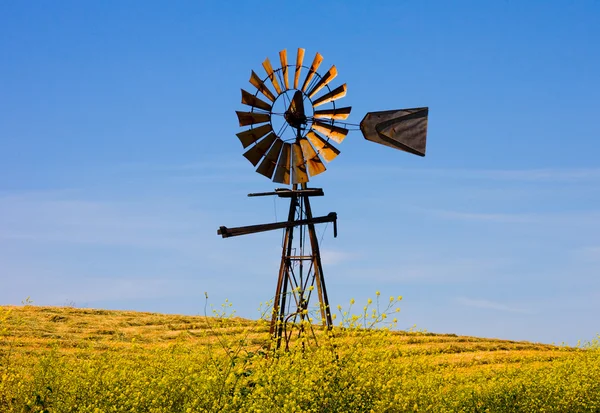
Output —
<point x="289" y="139"/>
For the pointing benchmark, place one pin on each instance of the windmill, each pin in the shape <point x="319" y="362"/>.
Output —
<point x="291" y="132"/>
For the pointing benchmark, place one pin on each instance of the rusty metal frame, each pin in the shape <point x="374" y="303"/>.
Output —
<point x="288" y="316"/>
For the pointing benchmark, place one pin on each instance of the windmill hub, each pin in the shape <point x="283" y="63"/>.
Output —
<point x="295" y="119"/>
<point x="295" y="115"/>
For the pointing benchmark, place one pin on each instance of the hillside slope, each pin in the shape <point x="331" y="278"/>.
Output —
<point x="70" y="359"/>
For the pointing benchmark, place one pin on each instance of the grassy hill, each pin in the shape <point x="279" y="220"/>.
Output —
<point x="57" y="359"/>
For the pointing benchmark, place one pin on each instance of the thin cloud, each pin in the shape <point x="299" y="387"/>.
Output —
<point x="191" y="166"/>
<point x="550" y="175"/>
<point x="591" y="253"/>
<point x="485" y="216"/>
<point x="587" y="218"/>
<point x="545" y="175"/>
<point x="445" y="270"/>
<point x="331" y="257"/>
<point x="51" y="218"/>
<point x="491" y="305"/>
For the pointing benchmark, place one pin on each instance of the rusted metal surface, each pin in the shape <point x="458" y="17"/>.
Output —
<point x="313" y="162"/>
<point x="282" y="171"/>
<point x="324" y="148"/>
<point x="404" y="129"/>
<point x="295" y="286"/>
<point x="253" y="229"/>
<point x="284" y="68"/>
<point x="293" y="161"/>
<point x="279" y="301"/>
<point x="267" y="166"/>
<point x="252" y="118"/>
<point x="328" y="77"/>
<point x="337" y="113"/>
<point x="248" y="137"/>
<point x="251" y="100"/>
<point x="295" y="115"/>
<point x="313" y="69"/>
<point x="335" y="94"/>
<point x="289" y="316"/>
<point x="299" y="59"/>
<point x="269" y="69"/>
<point x="256" y="152"/>
<point x="297" y="161"/>
<point x="318" y="267"/>
<point x="258" y="83"/>
<point x="331" y="131"/>
<point x="299" y="174"/>
<point x="288" y="193"/>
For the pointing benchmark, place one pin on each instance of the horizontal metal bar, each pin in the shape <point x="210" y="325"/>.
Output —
<point x="288" y="193"/>
<point x="251" y="229"/>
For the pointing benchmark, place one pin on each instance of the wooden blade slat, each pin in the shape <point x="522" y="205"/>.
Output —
<point x="313" y="68"/>
<point x="324" y="148"/>
<point x="337" y="113"/>
<point x="282" y="171"/>
<point x="269" y="69"/>
<point x="299" y="175"/>
<point x="331" y="131"/>
<point x="299" y="59"/>
<point x="250" y="118"/>
<point x="267" y="166"/>
<point x="248" y="137"/>
<point x="251" y="100"/>
<point x="259" y="84"/>
<point x="335" y="94"/>
<point x="313" y="162"/>
<point x="258" y="151"/>
<point x="327" y="77"/>
<point x="284" y="68"/>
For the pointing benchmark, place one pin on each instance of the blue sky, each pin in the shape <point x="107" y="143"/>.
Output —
<point x="118" y="158"/>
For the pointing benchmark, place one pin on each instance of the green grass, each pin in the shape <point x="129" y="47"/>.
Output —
<point x="84" y="360"/>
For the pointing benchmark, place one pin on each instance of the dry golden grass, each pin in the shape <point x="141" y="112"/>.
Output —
<point x="34" y="329"/>
<point x="64" y="359"/>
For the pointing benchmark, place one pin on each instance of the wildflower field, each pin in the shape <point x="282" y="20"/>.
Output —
<point x="63" y="359"/>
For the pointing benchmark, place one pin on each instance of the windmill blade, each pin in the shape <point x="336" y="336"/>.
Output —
<point x="258" y="83"/>
<point x="324" y="148"/>
<point x="258" y="151"/>
<point x="250" y="118"/>
<point x="313" y="68"/>
<point x="337" y="113"/>
<point x="269" y="69"/>
<point x="404" y="129"/>
<point x="335" y="94"/>
<point x="331" y="131"/>
<point x="299" y="59"/>
<point x="251" y="100"/>
<point x="267" y="166"/>
<point x="313" y="162"/>
<point x="284" y="68"/>
<point x="327" y="77"/>
<point x="248" y="137"/>
<point x="299" y="175"/>
<point x="282" y="171"/>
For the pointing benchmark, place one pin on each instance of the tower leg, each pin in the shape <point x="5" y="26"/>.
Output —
<point x="318" y="271"/>
<point x="279" y="301"/>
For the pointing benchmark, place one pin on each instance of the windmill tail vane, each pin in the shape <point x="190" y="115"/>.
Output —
<point x="294" y="127"/>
